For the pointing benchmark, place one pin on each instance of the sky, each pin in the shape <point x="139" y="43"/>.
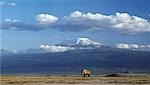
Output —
<point x="31" y="23"/>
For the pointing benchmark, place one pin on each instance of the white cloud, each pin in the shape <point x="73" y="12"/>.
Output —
<point x="53" y="48"/>
<point x="122" y="22"/>
<point x="11" y="20"/>
<point x="2" y="3"/>
<point x="76" y="14"/>
<point x="8" y="20"/>
<point x="127" y="46"/>
<point x="78" y="21"/>
<point x="132" y="46"/>
<point x="145" y="46"/>
<point x="12" y="4"/>
<point x="17" y="25"/>
<point x="46" y="19"/>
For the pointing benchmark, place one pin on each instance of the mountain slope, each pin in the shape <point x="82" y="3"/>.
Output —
<point x="99" y="60"/>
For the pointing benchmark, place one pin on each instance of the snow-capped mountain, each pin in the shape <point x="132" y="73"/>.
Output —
<point x="86" y="41"/>
<point x="74" y="44"/>
<point x="81" y="42"/>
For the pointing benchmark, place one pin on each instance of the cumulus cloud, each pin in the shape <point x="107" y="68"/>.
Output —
<point x="46" y="19"/>
<point x="122" y="22"/>
<point x="2" y="3"/>
<point x="43" y="22"/>
<point x="127" y="46"/>
<point x="17" y="25"/>
<point x="53" y="48"/>
<point x="78" y="21"/>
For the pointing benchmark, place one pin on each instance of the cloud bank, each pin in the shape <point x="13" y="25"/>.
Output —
<point x="53" y="48"/>
<point x="132" y="46"/>
<point x="127" y="46"/>
<point x="43" y="21"/>
<point x="122" y="22"/>
<point x="78" y="21"/>
<point x="17" y="25"/>
<point x="145" y="46"/>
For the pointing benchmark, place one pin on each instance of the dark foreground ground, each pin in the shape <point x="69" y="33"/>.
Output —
<point x="75" y="80"/>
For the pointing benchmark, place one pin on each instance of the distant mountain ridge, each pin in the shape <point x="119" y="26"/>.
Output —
<point x="72" y="56"/>
<point x="7" y="52"/>
<point x="98" y="60"/>
<point x="72" y="44"/>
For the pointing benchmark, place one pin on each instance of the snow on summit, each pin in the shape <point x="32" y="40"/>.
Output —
<point x="86" y="41"/>
<point x="80" y="42"/>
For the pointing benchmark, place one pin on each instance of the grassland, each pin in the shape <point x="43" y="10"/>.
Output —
<point x="76" y="80"/>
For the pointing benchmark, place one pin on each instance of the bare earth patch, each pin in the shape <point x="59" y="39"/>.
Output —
<point x="130" y="80"/>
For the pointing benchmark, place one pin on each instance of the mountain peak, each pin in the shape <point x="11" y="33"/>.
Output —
<point x="86" y="41"/>
<point x="80" y="42"/>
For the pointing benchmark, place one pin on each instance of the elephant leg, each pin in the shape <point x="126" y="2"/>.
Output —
<point x="84" y="75"/>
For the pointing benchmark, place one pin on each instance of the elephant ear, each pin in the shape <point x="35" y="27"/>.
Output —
<point x="89" y="72"/>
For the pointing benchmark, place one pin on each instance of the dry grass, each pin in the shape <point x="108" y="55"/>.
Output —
<point x="74" y="80"/>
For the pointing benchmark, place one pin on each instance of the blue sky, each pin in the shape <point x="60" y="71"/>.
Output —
<point x="26" y="12"/>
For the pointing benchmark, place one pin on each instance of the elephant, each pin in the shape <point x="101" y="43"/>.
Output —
<point x="86" y="73"/>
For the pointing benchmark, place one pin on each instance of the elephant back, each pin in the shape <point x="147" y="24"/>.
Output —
<point x="85" y="71"/>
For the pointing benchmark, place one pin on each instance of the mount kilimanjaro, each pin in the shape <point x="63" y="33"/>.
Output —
<point x="70" y="56"/>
